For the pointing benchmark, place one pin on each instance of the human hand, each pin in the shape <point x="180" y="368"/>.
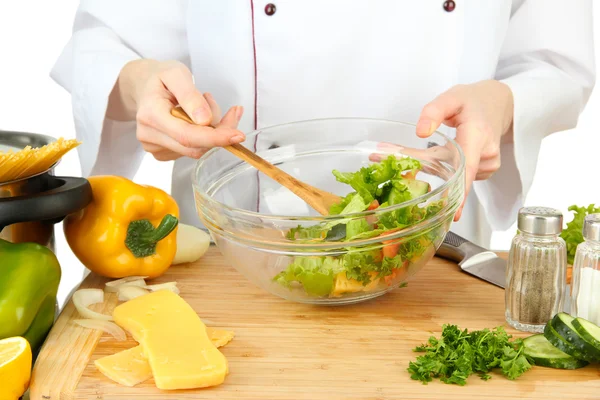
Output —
<point x="482" y="114"/>
<point x="150" y="89"/>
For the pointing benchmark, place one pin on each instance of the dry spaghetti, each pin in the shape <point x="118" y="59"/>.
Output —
<point x="32" y="161"/>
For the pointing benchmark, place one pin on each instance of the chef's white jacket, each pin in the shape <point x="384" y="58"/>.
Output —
<point x="338" y="58"/>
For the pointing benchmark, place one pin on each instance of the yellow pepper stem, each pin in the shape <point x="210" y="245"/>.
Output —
<point x="142" y="236"/>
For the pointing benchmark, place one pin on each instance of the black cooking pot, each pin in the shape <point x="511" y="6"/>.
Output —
<point x="29" y="207"/>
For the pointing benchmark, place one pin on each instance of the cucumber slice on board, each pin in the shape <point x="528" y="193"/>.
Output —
<point x="544" y="354"/>
<point x="588" y="330"/>
<point x="563" y="324"/>
<point x="560" y="343"/>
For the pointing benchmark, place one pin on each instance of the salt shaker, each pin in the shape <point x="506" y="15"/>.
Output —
<point x="585" y="292"/>
<point x="536" y="271"/>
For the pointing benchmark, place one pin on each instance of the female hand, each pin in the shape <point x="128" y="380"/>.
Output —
<point x="147" y="90"/>
<point x="482" y="114"/>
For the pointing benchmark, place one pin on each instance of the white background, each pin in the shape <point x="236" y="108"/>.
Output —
<point x="33" y="33"/>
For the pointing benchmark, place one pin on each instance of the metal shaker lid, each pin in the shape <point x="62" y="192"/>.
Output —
<point x="540" y="220"/>
<point x="591" y="227"/>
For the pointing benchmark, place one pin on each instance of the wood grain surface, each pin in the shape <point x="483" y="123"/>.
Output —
<point x="284" y="350"/>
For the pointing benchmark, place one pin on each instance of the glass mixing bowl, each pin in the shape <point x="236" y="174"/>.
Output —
<point x="250" y="216"/>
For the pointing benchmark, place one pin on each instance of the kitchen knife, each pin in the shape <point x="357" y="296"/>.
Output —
<point x="482" y="263"/>
<point x="475" y="260"/>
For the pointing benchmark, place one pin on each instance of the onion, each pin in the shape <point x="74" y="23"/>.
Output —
<point x="192" y="243"/>
<point x="172" y="286"/>
<point x="127" y="292"/>
<point x="113" y="286"/>
<point x="103" y="325"/>
<point x="83" y="298"/>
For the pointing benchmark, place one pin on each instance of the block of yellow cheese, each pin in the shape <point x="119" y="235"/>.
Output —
<point x="174" y="339"/>
<point x="130" y="367"/>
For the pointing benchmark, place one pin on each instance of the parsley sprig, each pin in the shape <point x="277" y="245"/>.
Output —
<point x="457" y="354"/>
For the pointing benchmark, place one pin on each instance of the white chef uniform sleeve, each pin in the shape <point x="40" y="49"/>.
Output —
<point x="106" y="35"/>
<point x="548" y="61"/>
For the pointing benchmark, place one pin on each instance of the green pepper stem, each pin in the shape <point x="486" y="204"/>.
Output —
<point x="142" y="236"/>
<point x="166" y="226"/>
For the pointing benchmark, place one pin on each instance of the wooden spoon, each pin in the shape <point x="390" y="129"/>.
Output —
<point x="318" y="199"/>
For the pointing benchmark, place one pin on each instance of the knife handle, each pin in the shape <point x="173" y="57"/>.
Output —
<point x="456" y="248"/>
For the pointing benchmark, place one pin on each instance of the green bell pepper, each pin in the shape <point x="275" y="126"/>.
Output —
<point x="29" y="278"/>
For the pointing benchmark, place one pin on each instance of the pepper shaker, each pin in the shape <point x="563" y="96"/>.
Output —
<point x="536" y="271"/>
<point x="585" y="296"/>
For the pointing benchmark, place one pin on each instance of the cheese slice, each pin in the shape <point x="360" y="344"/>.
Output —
<point x="175" y="341"/>
<point x="130" y="367"/>
<point x="343" y="285"/>
<point x="219" y="337"/>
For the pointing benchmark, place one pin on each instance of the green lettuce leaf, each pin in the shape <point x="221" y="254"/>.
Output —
<point x="315" y="274"/>
<point x="355" y="204"/>
<point x="367" y="180"/>
<point x="357" y="227"/>
<point x="360" y="264"/>
<point x="573" y="233"/>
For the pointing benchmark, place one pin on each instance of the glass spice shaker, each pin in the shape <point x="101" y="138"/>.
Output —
<point x="536" y="271"/>
<point x="585" y="295"/>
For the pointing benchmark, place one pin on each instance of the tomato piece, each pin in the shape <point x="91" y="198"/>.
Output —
<point x="389" y="280"/>
<point x="391" y="248"/>
<point x="388" y="233"/>
<point x="410" y="174"/>
<point x="378" y="256"/>
<point x="374" y="204"/>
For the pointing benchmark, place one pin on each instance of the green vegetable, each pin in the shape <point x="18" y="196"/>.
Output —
<point x="544" y="354"/>
<point x="563" y="345"/>
<point x="563" y="325"/>
<point x="368" y="181"/>
<point x="573" y="233"/>
<point x="588" y="330"/>
<point x="29" y="278"/>
<point x="458" y="354"/>
<point x="381" y="184"/>
<point x="316" y="274"/>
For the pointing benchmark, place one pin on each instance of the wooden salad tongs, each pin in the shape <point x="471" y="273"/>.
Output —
<point x="318" y="199"/>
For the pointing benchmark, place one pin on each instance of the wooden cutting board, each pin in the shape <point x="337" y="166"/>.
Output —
<point x="284" y="350"/>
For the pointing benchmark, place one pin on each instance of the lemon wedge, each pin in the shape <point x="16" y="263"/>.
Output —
<point x="15" y="367"/>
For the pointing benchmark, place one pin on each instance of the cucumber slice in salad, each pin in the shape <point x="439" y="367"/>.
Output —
<point x="544" y="354"/>
<point x="589" y="331"/>
<point x="561" y="343"/>
<point x="563" y="325"/>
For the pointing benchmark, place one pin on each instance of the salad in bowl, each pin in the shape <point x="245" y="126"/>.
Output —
<point x="377" y="186"/>
<point x="398" y="199"/>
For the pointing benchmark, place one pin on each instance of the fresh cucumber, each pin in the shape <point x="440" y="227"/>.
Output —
<point x="563" y="324"/>
<point x="560" y="343"/>
<point x="544" y="354"/>
<point x="589" y="331"/>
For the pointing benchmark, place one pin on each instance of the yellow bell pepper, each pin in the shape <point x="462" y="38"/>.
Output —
<point x="127" y="229"/>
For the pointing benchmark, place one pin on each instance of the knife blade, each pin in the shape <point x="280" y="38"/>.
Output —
<point x="473" y="259"/>
<point x="481" y="263"/>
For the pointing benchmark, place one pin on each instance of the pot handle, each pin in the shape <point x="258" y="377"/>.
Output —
<point x="70" y="194"/>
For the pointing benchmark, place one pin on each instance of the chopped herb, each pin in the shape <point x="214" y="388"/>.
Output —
<point x="457" y="354"/>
